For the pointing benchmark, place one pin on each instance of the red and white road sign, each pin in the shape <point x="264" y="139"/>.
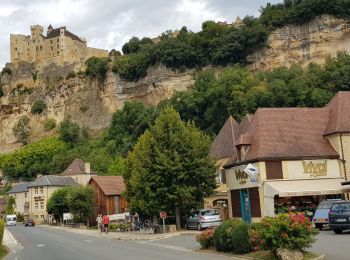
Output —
<point x="162" y="214"/>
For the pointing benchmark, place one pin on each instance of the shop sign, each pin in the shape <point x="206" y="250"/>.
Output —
<point x="39" y="198"/>
<point x="237" y="178"/>
<point x="307" y="169"/>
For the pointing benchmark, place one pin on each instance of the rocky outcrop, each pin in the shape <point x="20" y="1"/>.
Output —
<point x="311" y="42"/>
<point x="88" y="102"/>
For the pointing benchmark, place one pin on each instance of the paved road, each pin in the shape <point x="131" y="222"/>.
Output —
<point x="335" y="247"/>
<point x="48" y="244"/>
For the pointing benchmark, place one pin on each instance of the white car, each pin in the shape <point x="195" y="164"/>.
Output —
<point x="204" y="218"/>
<point x="11" y="220"/>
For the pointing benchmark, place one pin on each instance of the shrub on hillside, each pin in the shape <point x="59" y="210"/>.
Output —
<point x="205" y="238"/>
<point x="290" y="231"/>
<point x="232" y="235"/>
<point x="49" y="124"/>
<point x="70" y="75"/>
<point x="38" y="106"/>
<point x="1" y="91"/>
<point x="96" y="67"/>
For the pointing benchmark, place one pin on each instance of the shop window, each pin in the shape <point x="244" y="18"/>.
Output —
<point x="274" y="170"/>
<point x="236" y="204"/>
<point x="36" y="191"/>
<point x="116" y="205"/>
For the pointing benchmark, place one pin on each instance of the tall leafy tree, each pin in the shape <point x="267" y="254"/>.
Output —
<point x="170" y="168"/>
<point x="58" y="203"/>
<point x="81" y="202"/>
<point x="10" y="205"/>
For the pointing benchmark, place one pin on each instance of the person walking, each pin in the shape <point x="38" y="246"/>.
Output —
<point x="105" y="221"/>
<point x="99" y="223"/>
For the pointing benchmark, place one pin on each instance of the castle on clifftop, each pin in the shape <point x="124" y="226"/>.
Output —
<point x="59" y="46"/>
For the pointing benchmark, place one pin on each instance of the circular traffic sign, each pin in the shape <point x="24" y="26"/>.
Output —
<point x="162" y="214"/>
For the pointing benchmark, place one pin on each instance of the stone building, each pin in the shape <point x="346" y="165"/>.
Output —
<point x="21" y="194"/>
<point x="302" y="156"/>
<point x="58" y="45"/>
<point x="39" y="193"/>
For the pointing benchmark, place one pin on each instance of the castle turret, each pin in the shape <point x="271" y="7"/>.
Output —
<point x="36" y="30"/>
<point x="49" y="29"/>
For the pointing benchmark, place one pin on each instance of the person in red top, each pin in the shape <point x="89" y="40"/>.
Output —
<point x="105" y="221"/>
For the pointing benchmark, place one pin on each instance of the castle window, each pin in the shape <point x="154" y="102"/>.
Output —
<point x="28" y="43"/>
<point x="58" y="46"/>
<point x="51" y="41"/>
<point x="37" y="48"/>
<point x="52" y="48"/>
<point x="15" y="49"/>
<point x="41" y="48"/>
<point x="58" y="52"/>
<point x="58" y="40"/>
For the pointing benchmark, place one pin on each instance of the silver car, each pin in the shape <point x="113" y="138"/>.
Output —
<point x="204" y="218"/>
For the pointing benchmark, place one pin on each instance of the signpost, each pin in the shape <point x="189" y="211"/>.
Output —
<point x="163" y="216"/>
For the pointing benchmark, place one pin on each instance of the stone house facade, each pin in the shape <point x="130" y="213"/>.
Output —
<point x="21" y="194"/>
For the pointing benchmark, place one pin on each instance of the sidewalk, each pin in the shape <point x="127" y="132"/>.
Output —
<point x="132" y="235"/>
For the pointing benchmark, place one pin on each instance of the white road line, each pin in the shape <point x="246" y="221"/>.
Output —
<point x="12" y="237"/>
<point x="40" y="245"/>
<point x="170" y="247"/>
<point x="89" y="241"/>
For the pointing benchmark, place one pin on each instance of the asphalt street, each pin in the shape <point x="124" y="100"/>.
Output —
<point x="48" y="244"/>
<point x="334" y="246"/>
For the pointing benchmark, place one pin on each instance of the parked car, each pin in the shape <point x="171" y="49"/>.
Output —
<point x="339" y="216"/>
<point x="29" y="222"/>
<point x="320" y="218"/>
<point x="11" y="220"/>
<point x="204" y="218"/>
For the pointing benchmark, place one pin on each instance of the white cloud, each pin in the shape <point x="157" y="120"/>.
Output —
<point x="110" y="23"/>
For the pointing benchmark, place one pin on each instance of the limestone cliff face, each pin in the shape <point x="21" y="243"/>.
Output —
<point x="311" y="42"/>
<point x="86" y="101"/>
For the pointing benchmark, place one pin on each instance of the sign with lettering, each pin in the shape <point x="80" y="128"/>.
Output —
<point x="237" y="178"/>
<point x="308" y="169"/>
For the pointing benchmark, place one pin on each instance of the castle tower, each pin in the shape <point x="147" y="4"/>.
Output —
<point x="49" y="29"/>
<point x="36" y="30"/>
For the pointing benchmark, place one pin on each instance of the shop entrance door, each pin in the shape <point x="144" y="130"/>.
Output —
<point x="245" y="206"/>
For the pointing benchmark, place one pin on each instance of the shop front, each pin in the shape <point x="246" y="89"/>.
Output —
<point x="304" y="185"/>
<point x="244" y="198"/>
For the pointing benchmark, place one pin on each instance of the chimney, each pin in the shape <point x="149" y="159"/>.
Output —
<point x="38" y="176"/>
<point x="87" y="168"/>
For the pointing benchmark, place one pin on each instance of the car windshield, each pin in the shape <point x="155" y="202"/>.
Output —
<point x="209" y="212"/>
<point x="325" y="204"/>
<point x="11" y="218"/>
<point x="341" y="207"/>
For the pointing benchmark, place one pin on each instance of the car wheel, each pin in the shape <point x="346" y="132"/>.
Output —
<point x="338" y="231"/>
<point x="199" y="228"/>
<point x="319" y="226"/>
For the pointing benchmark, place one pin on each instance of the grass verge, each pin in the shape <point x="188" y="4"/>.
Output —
<point x="3" y="251"/>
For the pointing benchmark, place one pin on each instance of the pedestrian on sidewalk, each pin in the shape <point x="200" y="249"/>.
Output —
<point x="99" y="223"/>
<point x="105" y="221"/>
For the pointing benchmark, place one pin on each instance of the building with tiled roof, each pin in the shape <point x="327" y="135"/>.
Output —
<point x="21" y="194"/>
<point x="294" y="153"/>
<point x="80" y="171"/>
<point x="41" y="190"/>
<point x="109" y="191"/>
<point x="59" y="46"/>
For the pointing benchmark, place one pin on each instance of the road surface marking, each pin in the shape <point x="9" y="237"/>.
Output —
<point x="170" y="247"/>
<point x="88" y="241"/>
<point x="40" y="245"/>
<point x="12" y="237"/>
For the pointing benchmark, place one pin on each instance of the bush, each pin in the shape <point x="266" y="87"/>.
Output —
<point x="49" y="124"/>
<point x="205" y="239"/>
<point x="96" y="67"/>
<point x="21" y="130"/>
<point x="69" y="132"/>
<point x="119" y="227"/>
<point x="38" y="106"/>
<point x="6" y="70"/>
<point x="2" y="226"/>
<point x="290" y="231"/>
<point x="20" y="217"/>
<point x="232" y="235"/>
<point x="70" y="75"/>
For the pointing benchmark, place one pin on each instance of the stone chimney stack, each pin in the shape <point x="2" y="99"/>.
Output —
<point x="38" y="176"/>
<point x="87" y="167"/>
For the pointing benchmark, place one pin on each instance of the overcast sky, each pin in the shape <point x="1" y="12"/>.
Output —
<point x="110" y="23"/>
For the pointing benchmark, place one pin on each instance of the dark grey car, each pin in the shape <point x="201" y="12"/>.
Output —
<point x="204" y="218"/>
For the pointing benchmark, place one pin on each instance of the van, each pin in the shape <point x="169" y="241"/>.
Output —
<point x="11" y="220"/>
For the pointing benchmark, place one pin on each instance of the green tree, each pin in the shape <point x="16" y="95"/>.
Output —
<point x="10" y="205"/>
<point x="22" y="129"/>
<point x="97" y="67"/>
<point x="81" y="202"/>
<point x="69" y="132"/>
<point x="58" y="203"/>
<point x="117" y="167"/>
<point x="169" y="168"/>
